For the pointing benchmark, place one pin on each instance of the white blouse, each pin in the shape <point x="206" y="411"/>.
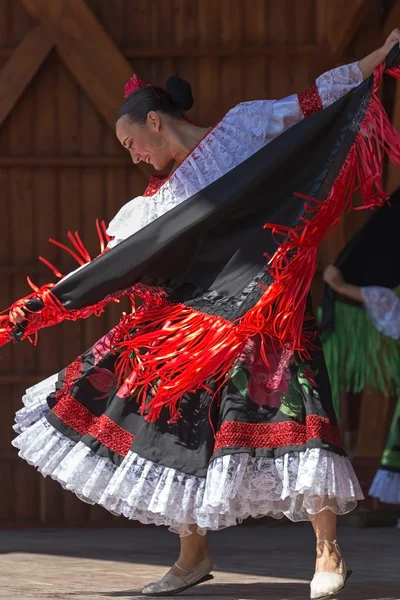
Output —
<point x="383" y="307"/>
<point x="243" y="131"/>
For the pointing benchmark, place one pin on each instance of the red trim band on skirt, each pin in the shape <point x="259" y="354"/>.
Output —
<point x="71" y="412"/>
<point x="234" y="434"/>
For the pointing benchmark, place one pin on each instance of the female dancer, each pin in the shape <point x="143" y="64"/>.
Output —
<point x="382" y="305"/>
<point x="215" y="403"/>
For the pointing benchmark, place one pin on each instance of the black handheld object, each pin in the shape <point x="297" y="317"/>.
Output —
<point x="32" y="305"/>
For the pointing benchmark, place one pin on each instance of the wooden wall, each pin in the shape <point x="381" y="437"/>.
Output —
<point x="61" y="167"/>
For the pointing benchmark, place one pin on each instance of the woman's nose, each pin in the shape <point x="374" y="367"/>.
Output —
<point x="135" y="157"/>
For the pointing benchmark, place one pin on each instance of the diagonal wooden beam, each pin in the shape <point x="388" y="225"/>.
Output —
<point x="86" y="49"/>
<point x="21" y="68"/>
<point x="344" y="23"/>
<point x="88" y="52"/>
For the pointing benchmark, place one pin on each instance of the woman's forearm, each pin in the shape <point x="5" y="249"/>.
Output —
<point x="369" y="63"/>
<point x="353" y="292"/>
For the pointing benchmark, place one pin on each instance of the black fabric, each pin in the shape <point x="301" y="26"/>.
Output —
<point x="215" y="239"/>
<point x="188" y="444"/>
<point x="370" y="258"/>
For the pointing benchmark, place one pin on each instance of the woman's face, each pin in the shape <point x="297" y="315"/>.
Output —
<point x="145" y="143"/>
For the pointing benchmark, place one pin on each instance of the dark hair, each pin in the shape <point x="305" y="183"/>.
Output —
<point x="174" y="100"/>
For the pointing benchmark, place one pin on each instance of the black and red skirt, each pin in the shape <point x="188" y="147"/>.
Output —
<point x="245" y="448"/>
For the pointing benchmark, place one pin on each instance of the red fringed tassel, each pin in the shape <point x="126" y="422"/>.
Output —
<point x="179" y="348"/>
<point x="53" y="312"/>
<point x="279" y="314"/>
<point x="78" y="251"/>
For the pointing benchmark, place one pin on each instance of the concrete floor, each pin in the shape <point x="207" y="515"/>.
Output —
<point x="265" y="561"/>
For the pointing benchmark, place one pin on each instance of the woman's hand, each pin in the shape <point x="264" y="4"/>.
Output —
<point x="17" y="315"/>
<point x="369" y="63"/>
<point x="334" y="278"/>
<point x="393" y="39"/>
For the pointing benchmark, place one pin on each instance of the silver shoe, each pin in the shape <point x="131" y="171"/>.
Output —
<point x="326" y="584"/>
<point x="172" y="584"/>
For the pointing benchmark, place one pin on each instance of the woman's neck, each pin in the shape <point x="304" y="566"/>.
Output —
<point x="185" y="138"/>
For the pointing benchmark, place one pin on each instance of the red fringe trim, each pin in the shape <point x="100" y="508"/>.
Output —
<point x="53" y="312"/>
<point x="78" y="251"/>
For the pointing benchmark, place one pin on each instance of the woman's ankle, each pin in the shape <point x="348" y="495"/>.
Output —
<point x="329" y="556"/>
<point x="188" y="561"/>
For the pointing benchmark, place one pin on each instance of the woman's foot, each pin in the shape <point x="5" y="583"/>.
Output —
<point x="177" y="579"/>
<point x="330" y="570"/>
<point x="190" y="557"/>
<point x="192" y="567"/>
<point x="329" y="556"/>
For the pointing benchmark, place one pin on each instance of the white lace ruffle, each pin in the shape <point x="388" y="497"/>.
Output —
<point x="383" y="307"/>
<point x="35" y="403"/>
<point x="297" y="485"/>
<point x="386" y="487"/>
<point x="243" y="131"/>
<point x="334" y="84"/>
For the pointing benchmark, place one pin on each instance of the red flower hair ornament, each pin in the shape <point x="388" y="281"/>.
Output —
<point x="134" y="84"/>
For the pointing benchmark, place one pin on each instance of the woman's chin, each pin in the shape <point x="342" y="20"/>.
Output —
<point x="158" y="167"/>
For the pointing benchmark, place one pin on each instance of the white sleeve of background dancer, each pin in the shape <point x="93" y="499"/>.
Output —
<point x="383" y="307"/>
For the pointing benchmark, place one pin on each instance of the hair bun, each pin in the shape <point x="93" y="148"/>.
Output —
<point x="180" y="92"/>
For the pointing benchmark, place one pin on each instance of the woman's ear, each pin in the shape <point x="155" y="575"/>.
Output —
<point x="154" y="121"/>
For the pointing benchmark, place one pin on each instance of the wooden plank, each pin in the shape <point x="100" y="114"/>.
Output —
<point x="186" y="32"/>
<point x="229" y="51"/>
<point x="186" y="36"/>
<point x="302" y="23"/>
<point x="209" y="110"/>
<point x="6" y="499"/>
<point x="120" y="186"/>
<point x="88" y="52"/>
<point x="5" y="23"/>
<point x="345" y="21"/>
<point x="5" y="253"/>
<point x="46" y="161"/>
<point x="231" y="68"/>
<point x="47" y="224"/>
<point x="392" y="21"/>
<point x="86" y="49"/>
<point x="279" y="68"/>
<point x="20" y="132"/>
<point x="22" y="270"/>
<point x="68" y="104"/>
<point x="255" y="68"/>
<point x="137" y="26"/>
<point x="20" y="23"/>
<point x="21" y="378"/>
<point x="20" y="69"/>
<point x="26" y="491"/>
